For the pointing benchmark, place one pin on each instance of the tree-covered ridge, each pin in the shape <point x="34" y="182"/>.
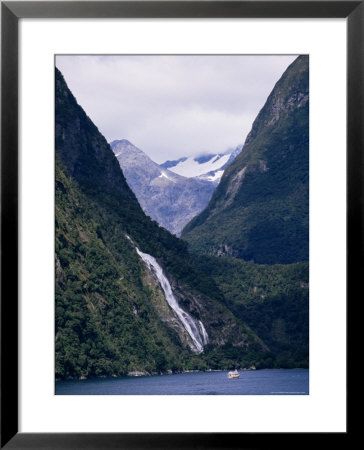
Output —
<point x="105" y="323"/>
<point x="273" y="300"/>
<point x="259" y="211"/>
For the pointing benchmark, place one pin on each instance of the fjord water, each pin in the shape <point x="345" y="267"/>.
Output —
<point x="251" y="382"/>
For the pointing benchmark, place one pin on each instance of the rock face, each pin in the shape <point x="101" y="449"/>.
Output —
<point x="259" y="211"/>
<point x="168" y="198"/>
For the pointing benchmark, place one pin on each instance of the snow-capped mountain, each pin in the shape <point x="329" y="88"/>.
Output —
<point x="206" y="167"/>
<point x="170" y="199"/>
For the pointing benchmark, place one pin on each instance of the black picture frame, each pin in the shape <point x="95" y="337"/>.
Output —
<point x="11" y="12"/>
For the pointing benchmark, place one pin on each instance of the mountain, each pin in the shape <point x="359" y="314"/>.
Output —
<point x="259" y="210"/>
<point x="129" y="296"/>
<point x="208" y="167"/>
<point x="170" y="199"/>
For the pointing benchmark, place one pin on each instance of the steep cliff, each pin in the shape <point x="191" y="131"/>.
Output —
<point x="259" y="211"/>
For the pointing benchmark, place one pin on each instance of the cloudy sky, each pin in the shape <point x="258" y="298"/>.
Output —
<point x="173" y="106"/>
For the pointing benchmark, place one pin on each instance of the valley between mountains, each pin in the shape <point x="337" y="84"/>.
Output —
<point x="198" y="263"/>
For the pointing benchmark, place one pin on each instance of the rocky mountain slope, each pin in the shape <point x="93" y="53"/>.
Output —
<point x="259" y="211"/>
<point x="168" y="198"/>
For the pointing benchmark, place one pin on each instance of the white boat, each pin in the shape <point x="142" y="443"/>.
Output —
<point x="233" y="374"/>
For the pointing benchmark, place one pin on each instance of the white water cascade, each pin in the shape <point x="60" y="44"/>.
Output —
<point x="194" y="328"/>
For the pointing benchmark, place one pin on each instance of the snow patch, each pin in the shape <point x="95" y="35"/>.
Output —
<point x="192" y="168"/>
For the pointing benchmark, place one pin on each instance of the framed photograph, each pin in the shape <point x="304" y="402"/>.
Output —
<point x="181" y="211"/>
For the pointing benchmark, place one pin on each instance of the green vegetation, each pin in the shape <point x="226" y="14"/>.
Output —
<point x="273" y="300"/>
<point x="105" y="323"/>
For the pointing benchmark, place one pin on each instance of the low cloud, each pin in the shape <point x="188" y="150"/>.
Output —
<point x="173" y="106"/>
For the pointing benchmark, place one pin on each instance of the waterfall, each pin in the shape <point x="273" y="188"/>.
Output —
<point x="205" y="337"/>
<point x="194" y="328"/>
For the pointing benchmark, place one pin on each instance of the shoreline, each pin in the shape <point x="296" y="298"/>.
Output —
<point x="136" y="374"/>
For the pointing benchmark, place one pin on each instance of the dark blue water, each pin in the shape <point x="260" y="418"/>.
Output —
<point x="251" y="382"/>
